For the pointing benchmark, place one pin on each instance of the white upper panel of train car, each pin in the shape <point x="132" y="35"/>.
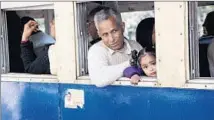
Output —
<point x="26" y="5"/>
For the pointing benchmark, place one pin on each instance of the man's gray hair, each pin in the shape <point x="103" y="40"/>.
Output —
<point x="105" y="13"/>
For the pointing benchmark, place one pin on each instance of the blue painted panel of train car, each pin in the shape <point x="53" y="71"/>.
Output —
<point x="132" y="103"/>
<point x="34" y="101"/>
<point x="29" y="101"/>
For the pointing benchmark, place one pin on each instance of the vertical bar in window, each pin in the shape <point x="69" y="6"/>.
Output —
<point x="82" y="38"/>
<point x="4" y="44"/>
<point x="193" y="40"/>
<point x="0" y="51"/>
<point x="5" y="47"/>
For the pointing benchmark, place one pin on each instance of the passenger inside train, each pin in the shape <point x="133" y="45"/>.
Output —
<point x="108" y="58"/>
<point x="144" y="34"/>
<point x="204" y="42"/>
<point x="39" y="38"/>
<point x="208" y="37"/>
<point x="91" y="26"/>
<point x="15" y="21"/>
<point x="36" y="64"/>
<point x="146" y="65"/>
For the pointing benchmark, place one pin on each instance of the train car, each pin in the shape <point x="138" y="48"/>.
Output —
<point x="179" y="92"/>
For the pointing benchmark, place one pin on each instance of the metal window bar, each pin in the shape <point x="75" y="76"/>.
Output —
<point x="4" y="44"/>
<point x="0" y="42"/>
<point x="82" y="38"/>
<point x="193" y="40"/>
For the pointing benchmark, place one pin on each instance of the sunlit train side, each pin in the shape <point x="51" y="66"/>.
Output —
<point x="178" y="92"/>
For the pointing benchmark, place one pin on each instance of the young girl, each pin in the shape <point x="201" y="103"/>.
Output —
<point x="146" y="66"/>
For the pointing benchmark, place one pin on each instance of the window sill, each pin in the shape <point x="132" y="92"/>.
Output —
<point x="123" y="81"/>
<point x="200" y="83"/>
<point x="202" y="80"/>
<point x="25" y="77"/>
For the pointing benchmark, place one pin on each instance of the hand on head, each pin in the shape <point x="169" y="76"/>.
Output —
<point x="30" y="27"/>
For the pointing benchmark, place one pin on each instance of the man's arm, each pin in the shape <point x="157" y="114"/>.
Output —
<point x="100" y="72"/>
<point x="33" y="64"/>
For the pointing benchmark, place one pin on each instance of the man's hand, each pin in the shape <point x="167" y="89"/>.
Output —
<point x="30" y="26"/>
<point x="135" y="79"/>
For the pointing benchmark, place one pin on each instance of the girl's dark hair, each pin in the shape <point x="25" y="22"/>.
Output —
<point x="145" y="51"/>
<point x="144" y="32"/>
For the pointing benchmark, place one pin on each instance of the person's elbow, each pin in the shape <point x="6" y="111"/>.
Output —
<point x="100" y="81"/>
<point x="100" y="85"/>
<point x="36" y="70"/>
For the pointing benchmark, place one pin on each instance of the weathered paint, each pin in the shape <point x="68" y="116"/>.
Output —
<point x="36" y="101"/>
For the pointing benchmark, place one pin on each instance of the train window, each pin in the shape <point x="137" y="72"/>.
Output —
<point x="132" y="13"/>
<point x="131" y="23"/>
<point x="11" y="61"/>
<point x="200" y="38"/>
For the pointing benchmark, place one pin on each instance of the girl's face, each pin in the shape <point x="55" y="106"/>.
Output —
<point x="148" y="65"/>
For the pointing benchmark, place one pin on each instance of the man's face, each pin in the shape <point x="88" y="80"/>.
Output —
<point x="92" y="30"/>
<point x="111" y="33"/>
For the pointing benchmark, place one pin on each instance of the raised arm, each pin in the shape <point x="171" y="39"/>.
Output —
<point x="100" y="72"/>
<point x="33" y="64"/>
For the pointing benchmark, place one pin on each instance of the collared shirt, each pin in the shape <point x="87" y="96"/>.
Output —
<point x="106" y="65"/>
<point x="126" y="49"/>
<point x="119" y="56"/>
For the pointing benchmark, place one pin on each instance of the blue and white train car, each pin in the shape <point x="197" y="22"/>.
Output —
<point x="178" y="92"/>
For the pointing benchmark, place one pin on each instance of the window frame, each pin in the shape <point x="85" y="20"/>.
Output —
<point x="194" y="47"/>
<point x="24" y="77"/>
<point x="26" y="5"/>
<point x="193" y="40"/>
<point x="177" y="74"/>
<point x="82" y="44"/>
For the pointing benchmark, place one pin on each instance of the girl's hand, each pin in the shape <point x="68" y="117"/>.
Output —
<point x="135" y="79"/>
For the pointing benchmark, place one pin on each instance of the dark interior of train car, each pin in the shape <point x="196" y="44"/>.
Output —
<point x="203" y="45"/>
<point x="14" y="34"/>
<point x="14" y="38"/>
